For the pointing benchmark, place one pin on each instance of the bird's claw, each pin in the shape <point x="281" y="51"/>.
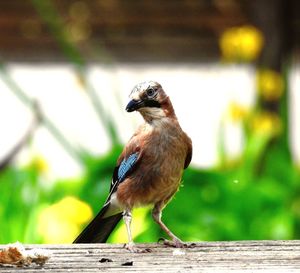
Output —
<point x="175" y="243"/>
<point x="132" y="248"/>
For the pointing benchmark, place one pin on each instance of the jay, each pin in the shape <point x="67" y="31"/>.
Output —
<point x="148" y="171"/>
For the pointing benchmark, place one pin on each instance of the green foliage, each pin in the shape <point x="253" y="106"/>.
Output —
<point x="227" y="203"/>
<point x="19" y="194"/>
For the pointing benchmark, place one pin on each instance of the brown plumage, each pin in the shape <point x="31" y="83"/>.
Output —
<point x="162" y="152"/>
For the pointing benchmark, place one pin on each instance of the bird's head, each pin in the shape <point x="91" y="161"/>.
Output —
<point x="150" y="100"/>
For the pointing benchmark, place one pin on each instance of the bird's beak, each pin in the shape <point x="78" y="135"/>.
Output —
<point x="134" y="105"/>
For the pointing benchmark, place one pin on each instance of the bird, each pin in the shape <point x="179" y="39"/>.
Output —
<point x="148" y="171"/>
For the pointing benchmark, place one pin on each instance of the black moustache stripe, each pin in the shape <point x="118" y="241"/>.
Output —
<point x="152" y="103"/>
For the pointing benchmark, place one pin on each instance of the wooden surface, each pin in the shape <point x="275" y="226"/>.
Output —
<point x="246" y="256"/>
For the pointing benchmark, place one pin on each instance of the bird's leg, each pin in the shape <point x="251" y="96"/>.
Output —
<point x="130" y="245"/>
<point x="127" y="219"/>
<point x="175" y="242"/>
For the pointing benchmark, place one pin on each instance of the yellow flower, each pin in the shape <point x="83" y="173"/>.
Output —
<point x="74" y="210"/>
<point x="266" y="123"/>
<point x="236" y="112"/>
<point x="61" y="222"/>
<point x="79" y="31"/>
<point x="269" y="84"/>
<point x="242" y="43"/>
<point x="40" y="164"/>
<point x="79" y="28"/>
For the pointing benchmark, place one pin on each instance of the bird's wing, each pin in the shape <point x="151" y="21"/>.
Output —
<point x="124" y="169"/>
<point x="128" y="162"/>
<point x="189" y="152"/>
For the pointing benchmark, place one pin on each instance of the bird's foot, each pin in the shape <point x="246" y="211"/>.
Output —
<point x="132" y="248"/>
<point x="175" y="243"/>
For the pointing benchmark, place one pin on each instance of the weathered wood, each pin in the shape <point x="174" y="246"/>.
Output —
<point x="244" y="256"/>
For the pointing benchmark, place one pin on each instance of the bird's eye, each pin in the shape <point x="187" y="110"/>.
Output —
<point x="150" y="92"/>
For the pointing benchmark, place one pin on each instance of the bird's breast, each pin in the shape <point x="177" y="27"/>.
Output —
<point x="162" y="168"/>
<point x="159" y="172"/>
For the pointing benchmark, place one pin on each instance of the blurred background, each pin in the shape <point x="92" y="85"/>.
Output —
<point x="231" y="68"/>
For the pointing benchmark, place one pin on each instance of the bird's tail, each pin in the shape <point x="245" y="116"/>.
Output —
<point x="99" y="229"/>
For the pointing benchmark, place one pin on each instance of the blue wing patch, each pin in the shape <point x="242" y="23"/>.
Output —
<point x="126" y="165"/>
<point x="121" y="172"/>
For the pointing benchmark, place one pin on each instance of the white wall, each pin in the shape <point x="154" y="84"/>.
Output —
<point x="200" y="94"/>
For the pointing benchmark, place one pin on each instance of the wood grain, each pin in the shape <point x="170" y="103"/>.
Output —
<point x="242" y="256"/>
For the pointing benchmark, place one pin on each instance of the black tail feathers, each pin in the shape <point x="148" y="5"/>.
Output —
<point x="99" y="229"/>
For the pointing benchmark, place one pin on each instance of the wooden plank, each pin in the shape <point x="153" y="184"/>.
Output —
<point x="243" y="256"/>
